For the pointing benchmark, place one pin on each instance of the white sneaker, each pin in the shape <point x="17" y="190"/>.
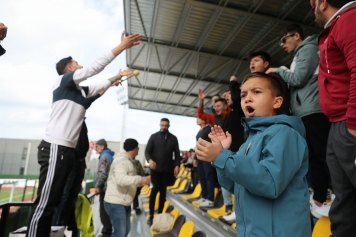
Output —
<point x="230" y="218"/>
<point x="313" y="206"/>
<point x="199" y="201"/>
<point x="206" y="203"/>
<point x="325" y="208"/>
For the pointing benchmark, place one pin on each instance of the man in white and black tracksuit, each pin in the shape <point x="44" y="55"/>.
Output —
<point x="159" y="154"/>
<point x="56" y="153"/>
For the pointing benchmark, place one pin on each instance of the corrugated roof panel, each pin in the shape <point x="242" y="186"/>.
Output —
<point x="184" y="85"/>
<point x="222" y="29"/>
<point x="169" y="82"/>
<point x="195" y="25"/>
<point x="168" y="18"/>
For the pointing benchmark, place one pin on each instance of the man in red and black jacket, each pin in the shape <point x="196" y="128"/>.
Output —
<point x="337" y="98"/>
<point x="220" y="106"/>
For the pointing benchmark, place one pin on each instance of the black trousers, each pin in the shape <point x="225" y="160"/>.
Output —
<point x="104" y="218"/>
<point x="317" y="128"/>
<point x="56" y="163"/>
<point x="136" y="204"/>
<point x="341" y="158"/>
<point x="160" y="183"/>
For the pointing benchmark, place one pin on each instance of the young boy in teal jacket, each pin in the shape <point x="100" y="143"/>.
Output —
<point x="268" y="173"/>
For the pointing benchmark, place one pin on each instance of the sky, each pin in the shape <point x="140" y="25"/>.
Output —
<point x="40" y="33"/>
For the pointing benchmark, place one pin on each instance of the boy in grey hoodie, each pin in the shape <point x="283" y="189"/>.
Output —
<point x="302" y="78"/>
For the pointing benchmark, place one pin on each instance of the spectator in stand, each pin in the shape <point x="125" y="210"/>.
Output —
<point x="121" y="188"/>
<point x="268" y="173"/>
<point x="302" y="78"/>
<point x="337" y="91"/>
<point x="220" y="106"/>
<point x="64" y="213"/>
<point x="56" y="152"/>
<point x="206" y="172"/>
<point x="105" y="160"/>
<point x="260" y="61"/>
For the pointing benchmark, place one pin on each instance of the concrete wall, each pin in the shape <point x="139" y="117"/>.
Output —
<point x="13" y="154"/>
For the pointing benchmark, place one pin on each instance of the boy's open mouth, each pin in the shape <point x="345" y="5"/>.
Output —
<point x="250" y="111"/>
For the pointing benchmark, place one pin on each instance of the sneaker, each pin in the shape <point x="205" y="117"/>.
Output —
<point x="138" y="211"/>
<point x="207" y="203"/>
<point x="325" y="208"/>
<point x="228" y="209"/>
<point x="199" y="201"/>
<point x="229" y="219"/>
<point x="313" y="206"/>
<point x="149" y="222"/>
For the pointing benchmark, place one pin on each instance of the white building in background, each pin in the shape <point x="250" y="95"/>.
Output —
<point x="19" y="156"/>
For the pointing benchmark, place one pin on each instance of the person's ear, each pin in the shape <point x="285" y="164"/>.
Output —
<point x="266" y="64"/>
<point x="323" y="5"/>
<point x="297" y="36"/>
<point x="277" y="102"/>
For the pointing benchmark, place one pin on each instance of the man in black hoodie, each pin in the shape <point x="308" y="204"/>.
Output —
<point x="163" y="165"/>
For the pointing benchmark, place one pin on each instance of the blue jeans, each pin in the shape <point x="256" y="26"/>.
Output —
<point x="207" y="178"/>
<point x="226" y="196"/>
<point x="119" y="217"/>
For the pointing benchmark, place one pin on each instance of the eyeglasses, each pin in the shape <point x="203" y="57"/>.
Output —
<point x="284" y="39"/>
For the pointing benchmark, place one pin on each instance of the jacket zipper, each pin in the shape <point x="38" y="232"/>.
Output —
<point x="326" y="47"/>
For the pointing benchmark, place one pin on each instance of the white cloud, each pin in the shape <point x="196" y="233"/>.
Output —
<point x="40" y="33"/>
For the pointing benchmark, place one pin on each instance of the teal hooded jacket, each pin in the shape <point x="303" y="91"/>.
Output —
<point x="302" y="78"/>
<point x="268" y="178"/>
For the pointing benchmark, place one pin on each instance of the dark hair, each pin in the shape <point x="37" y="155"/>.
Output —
<point x="274" y="84"/>
<point x="264" y="55"/>
<point x="221" y="100"/>
<point x="292" y="29"/>
<point x="165" y="119"/>
<point x="61" y="65"/>
<point x="337" y="3"/>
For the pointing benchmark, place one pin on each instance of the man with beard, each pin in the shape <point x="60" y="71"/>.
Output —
<point x="163" y="165"/>
<point x="337" y="91"/>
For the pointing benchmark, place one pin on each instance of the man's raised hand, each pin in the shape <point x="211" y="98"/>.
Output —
<point x="224" y="138"/>
<point x="131" y="40"/>
<point x="201" y="94"/>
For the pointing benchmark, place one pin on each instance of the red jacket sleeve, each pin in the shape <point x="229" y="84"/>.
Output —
<point x="208" y="118"/>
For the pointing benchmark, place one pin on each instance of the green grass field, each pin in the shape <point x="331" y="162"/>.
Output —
<point x="5" y="195"/>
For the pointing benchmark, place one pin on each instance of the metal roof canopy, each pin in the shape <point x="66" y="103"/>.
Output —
<point x="190" y="44"/>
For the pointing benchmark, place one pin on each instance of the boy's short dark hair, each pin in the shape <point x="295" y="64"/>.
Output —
<point x="165" y="120"/>
<point x="264" y="55"/>
<point x="221" y="100"/>
<point x="337" y="3"/>
<point x="292" y="29"/>
<point x="61" y="65"/>
<point x="274" y="84"/>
